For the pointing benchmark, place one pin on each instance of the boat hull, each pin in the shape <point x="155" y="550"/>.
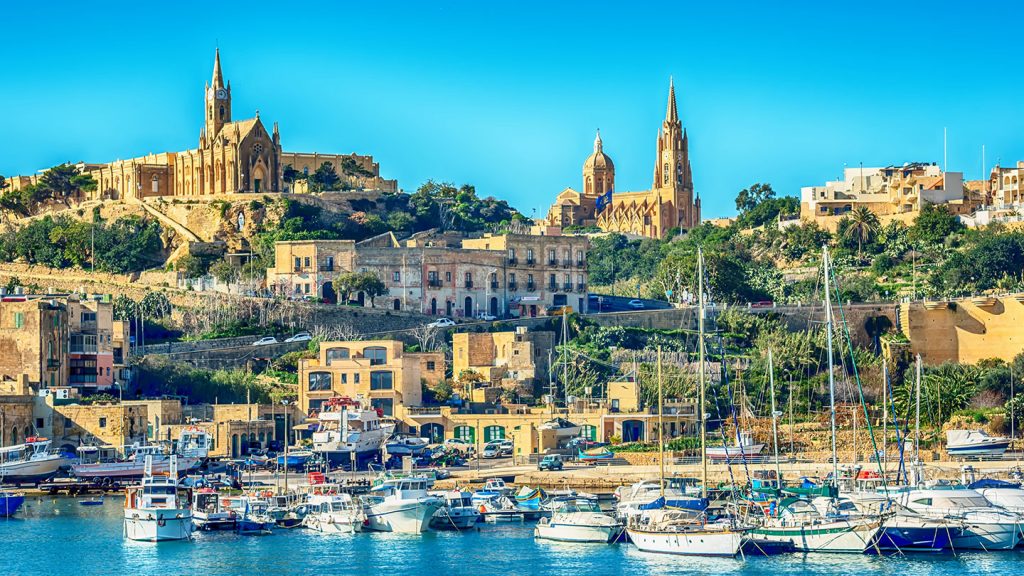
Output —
<point x="345" y="458"/>
<point x="987" y="536"/>
<point x="127" y="470"/>
<point x="842" y="537"/>
<point x="693" y="543"/>
<point x="460" y="518"/>
<point x="217" y="521"/>
<point x="405" y="516"/>
<point x="735" y="452"/>
<point x="577" y="533"/>
<point x="30" y="471"/>
<point x="915" y="536"/>
<point x="157" y="525"/>
<point x="997" y="448"/>
<point x="10" y="503"/>
<point x="333" y="523"/>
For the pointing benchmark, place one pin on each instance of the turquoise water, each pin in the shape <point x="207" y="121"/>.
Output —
<point x="61" y="537"/>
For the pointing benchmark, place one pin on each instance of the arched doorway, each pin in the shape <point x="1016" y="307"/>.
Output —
<point x="492" y="433"/>
<point x="468" y="307"/>
<point x="258" y="178"/>
<point x="433" y="431"/>
<point x="328" y="293"/>
<point x="245" y="445"/>
<point x="234" y="445"/>
<point x="448" y="308"/>
<point x="465" y="433"/>
<point x="494" y="306"/>
<point x="433" y="306"/>
<point x="397" y="304"/>
<point x="632" y="430"/>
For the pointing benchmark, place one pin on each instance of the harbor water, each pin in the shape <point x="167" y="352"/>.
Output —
<point x="58" y="536"/>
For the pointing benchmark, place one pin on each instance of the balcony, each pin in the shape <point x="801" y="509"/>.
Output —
<point x="552" y="262"/>
<point x="434" y="283"/>
<point x="512" y="261"/>
<point x="513" y="286"/>
<point x="530" y="261"/>
<point x="552" y="287"/>
<point x="567" y="287"/>
<point x="88" y="326"/>
<point x="326" y="268"/>
<point x="52" y="363"/>
<point x="469" y="283"/>
<point x="531" y="287"/>
<point x="494" y="285"/>
<point x="581" y="263"/>
<point x="581" y="287"/>
<point x="566" y="263"/>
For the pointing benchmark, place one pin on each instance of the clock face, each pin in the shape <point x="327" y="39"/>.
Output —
<point x="222" y="94"/>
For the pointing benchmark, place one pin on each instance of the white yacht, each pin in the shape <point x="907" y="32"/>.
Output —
<point x="400" y="505"/>
<point x="348" y="433"/>
<point x="799" y="523"/>
<point x="682" y="493"/>
<point x="578" y="520"/>
<point x="155" y="510"/>
<point x="333" y="512"/>
<point x="458" y="512"/>
<point x="32" y="461"/>
<point x="975" y="443"/>
<point x="210" y="511"/>
<point x="684" y="532"/>
<point x="985" y="527"/>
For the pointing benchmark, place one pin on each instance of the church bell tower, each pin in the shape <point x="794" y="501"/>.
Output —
<point x="218" y="101"/>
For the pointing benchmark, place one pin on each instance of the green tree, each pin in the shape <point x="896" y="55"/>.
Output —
<point x="155" y="305"/>
<point x="64" y="182"/>
<point x="750" y="197"/>
<point x="862" y="226"/>
<point x="934" y="224"/>
<point x="224" y="272"/>
<point x="325" y="178"/>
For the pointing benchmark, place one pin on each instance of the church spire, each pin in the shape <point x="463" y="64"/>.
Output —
<point x="597" y="143"/>
<point x="218" y="77"/>
<point x="672" y="114"/>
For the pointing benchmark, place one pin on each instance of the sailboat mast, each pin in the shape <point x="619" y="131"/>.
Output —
<point x="661" y="430"/>
<point x="917" y="416"/>
<point x="775" y="417"/>
<point x="700" y="371"/>
<point x="885" y="419"/>
<point x="831" y="374"/>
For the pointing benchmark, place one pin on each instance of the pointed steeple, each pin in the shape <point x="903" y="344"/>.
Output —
<point x="597" y="142"/>
<point x="671" y="114"/>
<point x="218" y="77"/>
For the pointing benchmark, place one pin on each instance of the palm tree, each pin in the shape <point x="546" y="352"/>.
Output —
<point x="863" y="224"/>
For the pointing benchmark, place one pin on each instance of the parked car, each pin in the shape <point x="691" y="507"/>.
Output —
<point x="550" y="462"/>
<point x="300" y="337"/>
<point x="458" y="445"/>
<point x="492" y="450"/>
<point x="442" y="323"/>
<point x="265" y="341"/>
<point x="636" y="304"/>
<point x="486" y="317"/>
<point x="505" y="448"/>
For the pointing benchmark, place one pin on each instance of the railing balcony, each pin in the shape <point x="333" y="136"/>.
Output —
<point x="566" y="263"/>
<point x="567" y="287"/>
<point x="581" y="263"/>
<point x="52" y="363"/>
<point x="88" y="325"/>
<point x="581" y="287"/>
<point x="513" y="286"/>
<point x="434" y="283"/>
<point x="552" y="287"/>
<point x="326" y="268"/>
<point x="494" y="285"/>
<point x="512" y="261"/>
<point x="530" y="287"/>
<point x="552" y="262"/>
<point x="530" y="261"/>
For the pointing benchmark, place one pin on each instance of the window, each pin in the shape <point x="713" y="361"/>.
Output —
<point x="156" y="184"/>
<point x="385" y="405"/>
<point x="337" y="354"/>
<point x="355" y="378"/>
<point x="579" y="257"/>
<point x="306" y="288"/>
<point x="88" y="316"/>
<point x="40" y="423"/>
<point x="512" y="254"/>
<point x="396" y="276"/>
<point x="19" y="319"/>
<point x="380" y="380"/>
<point x="448" y="276"/>
<point x="319" y="381"/>
<point x="298" y="263"/>
<point x="431" y="365"/>
<point x="376" y="355"/>
<point x="344" y="378"/>
<point x="103" y="422"/>
<point x="306" y="262"/>
<point x="329" y="264"/>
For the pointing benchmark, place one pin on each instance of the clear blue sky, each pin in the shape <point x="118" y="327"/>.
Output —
<point x="507" y="95"/>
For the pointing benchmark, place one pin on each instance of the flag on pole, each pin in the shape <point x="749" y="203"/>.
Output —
<point x="604" y="200"/>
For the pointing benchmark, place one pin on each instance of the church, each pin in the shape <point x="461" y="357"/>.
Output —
<point x="232" y="157"/>
<point x="669" y="204"/>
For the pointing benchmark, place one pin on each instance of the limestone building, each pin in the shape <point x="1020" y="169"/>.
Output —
<point x="232" y="156"/>
<point x="669" y="204"/>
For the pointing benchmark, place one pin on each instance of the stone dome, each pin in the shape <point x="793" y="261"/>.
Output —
<point x="598" y="160"/>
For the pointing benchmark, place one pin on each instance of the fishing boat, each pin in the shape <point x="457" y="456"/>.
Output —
<point x="400" y="505"/>
<point x="94" y="501"/>
<point x="493" y="488"/>
<point x="333" y="512"/>
<point x="595" y="454"/>
<point x="744" y="448"/>
<point x="530" y="498"/>
<point x="562" y="427"/>
<point x="92" y="466"/>
<point x="295" y="459"/>
<point x="10" y="502"/>
<point x="30" y="462"/>
<point x="254" y="518"/>
<point x="349" y="434"/>
<point x="673" y="492"/>
<point x="157" y="510"/>
<point x="211" y="511"/>
<point x="578" y="520"/>
<point x="975" y="443"/>
<point x="458" y="512"/>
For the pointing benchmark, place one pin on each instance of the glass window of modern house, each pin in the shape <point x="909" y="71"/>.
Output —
<point x="376" y="355"/>
<point x="319" y="381"/>
<point x="380" y="380"/>
<point x="337" y="354"/>
<point x="385" y="405"/>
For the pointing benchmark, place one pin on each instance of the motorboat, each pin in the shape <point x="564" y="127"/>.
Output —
<point x="10" y="502"/>
<point x="562" y="427"/>
<point x="349" y="434"/>
<point x="295" y="459"/>
<point x="94" y="501"/>
<point x="799" y="523"/>
<point x="30" y="462"/>
<point x="493" y="488"/>
<point x="680" y="493"/>
<point x="407" y="446"/>
<point x="985" y="527"/>
<point x="578" y="520"/>
<point x="458" y="512"/>
<point x="685" y="532"/>
<point x="252" y="514"/>
<point x="975" y="443"/>
<point x="902" y="529"/>
<point x="744" y="447"/>
<point x="210" y="511"/>
<point x="157" y="509"/>
<point x="400" y="505"/>
<point x="93" y="466"/>
<point x="333" y="512"/>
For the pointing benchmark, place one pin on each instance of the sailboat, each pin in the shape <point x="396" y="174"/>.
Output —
<point x="796" y="521"/>
<point x="686" y="532"/>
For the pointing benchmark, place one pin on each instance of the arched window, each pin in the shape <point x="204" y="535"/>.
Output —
<point x="221" y="112"/>
<point x="664" y="174"/>
<point x="155" y="183"/>
<point x="590" y="185"/>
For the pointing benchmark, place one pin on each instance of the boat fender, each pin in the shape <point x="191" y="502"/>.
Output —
<point x="160" y="520"/>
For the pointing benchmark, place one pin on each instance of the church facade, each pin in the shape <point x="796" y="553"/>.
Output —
<point x="232" y="157"/>
<point x="669" y="204"/>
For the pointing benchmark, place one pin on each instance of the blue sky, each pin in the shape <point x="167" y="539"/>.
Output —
<point x="507" y="95"/>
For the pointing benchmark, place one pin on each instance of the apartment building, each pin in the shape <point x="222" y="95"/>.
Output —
<point x="516" y="360"/>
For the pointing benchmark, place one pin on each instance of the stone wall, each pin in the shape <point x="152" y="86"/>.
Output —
<point x="965" y="330"/>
